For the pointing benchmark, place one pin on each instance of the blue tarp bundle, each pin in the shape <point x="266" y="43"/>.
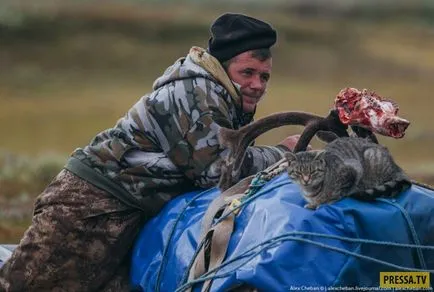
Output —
<point x="277" y="245"/>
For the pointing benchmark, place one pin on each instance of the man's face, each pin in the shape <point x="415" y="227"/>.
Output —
<point x="252" y="75"/>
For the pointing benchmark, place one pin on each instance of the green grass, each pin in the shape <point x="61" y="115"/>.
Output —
<point x="72" y="71"/>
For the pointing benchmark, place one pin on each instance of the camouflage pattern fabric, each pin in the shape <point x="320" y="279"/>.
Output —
<point x="79" y="240"/>
<point x="167" y="143"/>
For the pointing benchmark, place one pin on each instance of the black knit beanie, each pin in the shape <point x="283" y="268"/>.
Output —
<point x="233" y="34"/>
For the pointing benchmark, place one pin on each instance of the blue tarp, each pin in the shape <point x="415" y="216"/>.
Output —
<point x="5" y="252"/>
<point x="305" y="256"/>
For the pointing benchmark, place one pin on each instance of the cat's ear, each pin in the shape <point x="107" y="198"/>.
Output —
<point x="290" y="157"/>
<point x="319" y="154"/>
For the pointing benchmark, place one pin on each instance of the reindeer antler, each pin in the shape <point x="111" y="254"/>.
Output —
<point x="330" y="123"/>
<point x="237" y="141"/>
<point x="362" y="110"/>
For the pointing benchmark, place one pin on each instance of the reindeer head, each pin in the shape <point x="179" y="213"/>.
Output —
<point x="370" y="111"/>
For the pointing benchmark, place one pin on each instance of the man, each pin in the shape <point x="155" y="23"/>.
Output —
<point x="86" y="220"/>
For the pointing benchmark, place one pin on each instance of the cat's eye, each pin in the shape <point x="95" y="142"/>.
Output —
<point x="292" y="172"/>
<point x="318" y="172"/>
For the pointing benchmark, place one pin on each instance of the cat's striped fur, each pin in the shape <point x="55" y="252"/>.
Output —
<point x="348" y="166"/>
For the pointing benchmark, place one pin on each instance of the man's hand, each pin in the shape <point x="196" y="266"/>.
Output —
<point x="291" y="141"/>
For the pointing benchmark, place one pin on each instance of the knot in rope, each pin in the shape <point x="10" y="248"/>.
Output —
<point x="260" y="179"/>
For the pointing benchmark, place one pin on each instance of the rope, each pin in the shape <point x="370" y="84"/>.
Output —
<point x="172" y="232"/>
<point x="251" y="194"/>
<point x="410" y="226"/>
<point x="246" y="202"/>
<point x="190" y="265"/>
<point x="270" y="243"/>
<point x="260" y="179"/>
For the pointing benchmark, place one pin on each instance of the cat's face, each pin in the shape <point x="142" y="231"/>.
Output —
<point x="306" y="168"/>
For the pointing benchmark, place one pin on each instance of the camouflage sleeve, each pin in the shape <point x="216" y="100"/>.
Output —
<point x="190" y="131"/>
<point x="260" y="157"/>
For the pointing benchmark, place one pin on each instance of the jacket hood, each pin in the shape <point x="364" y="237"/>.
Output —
<point x="199" y="63"/>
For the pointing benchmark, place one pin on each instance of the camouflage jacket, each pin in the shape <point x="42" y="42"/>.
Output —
<point x="167" y="142"/>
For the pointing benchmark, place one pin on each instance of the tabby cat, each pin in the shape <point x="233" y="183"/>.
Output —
<point x="347" y="167"/>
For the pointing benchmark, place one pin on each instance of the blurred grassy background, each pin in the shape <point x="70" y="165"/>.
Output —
<point x="70" y="69"/>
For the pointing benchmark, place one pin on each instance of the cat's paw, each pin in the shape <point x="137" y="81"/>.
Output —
<point x="311" y="206"/>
